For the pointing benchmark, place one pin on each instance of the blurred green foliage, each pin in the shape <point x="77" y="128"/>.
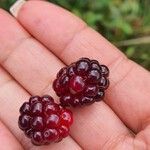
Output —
<point x="117" y="20"/>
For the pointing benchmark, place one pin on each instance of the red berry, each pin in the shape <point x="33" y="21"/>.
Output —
<point x="77" y="84"/>
<point x="51" y="108"/>
<point x="85" y="82"/>
<point x="50" y="135"/>
<point x="44" y="121"/>
<point x="63" y="131"/>
<point x="66" y="118"/>
<point x="53" y="121"/>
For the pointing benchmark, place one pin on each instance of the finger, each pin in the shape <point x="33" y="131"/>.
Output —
<point x="7" y="140"/>
<point x="24" y="57"/>
<point x="130" y="84"/>
<point x="22" y="66"/>
<point x="12" y="96"/>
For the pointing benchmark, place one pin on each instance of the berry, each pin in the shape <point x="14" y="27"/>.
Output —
<point x="87" y="100"/>
<point x="53" y="121"/>
<point x="81" y="83"/>
<point x="91" y="90"/>
<point x="82" y="67"/>
<point x="105" y="70"/>
<point x="24" y="122"/>
<point x="37" y="138"/>
<point x="51" y="135"/>
<point x="77" y="84"/>
<point x="100" y="95"/>
<point x="94" y="76"/>
<point x="44" y="121"/>
<point x="66" y="117"/>
<point x="63" y="131"/>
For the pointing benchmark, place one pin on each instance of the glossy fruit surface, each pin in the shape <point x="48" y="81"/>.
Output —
<point x="81" y="83"/>
<point x="44" y="121"/>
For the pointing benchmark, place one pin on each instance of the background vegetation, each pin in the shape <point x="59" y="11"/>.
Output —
<point x="126" y="23"/>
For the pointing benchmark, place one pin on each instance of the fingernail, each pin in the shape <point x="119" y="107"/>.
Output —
<point x="14" y="9"/>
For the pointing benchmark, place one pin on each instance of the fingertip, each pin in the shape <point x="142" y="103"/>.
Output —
<point x="47" y="18"/>
<point x="15" y="8"/>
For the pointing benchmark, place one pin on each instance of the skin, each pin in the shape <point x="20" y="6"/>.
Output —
<point x="34" y="46"/>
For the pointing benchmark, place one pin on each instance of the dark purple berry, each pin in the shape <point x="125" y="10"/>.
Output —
<point x="100" y="95"/>
<point x="82" y="67"/>
<point x="91" y="90"/>
<point x="58" y="87"/>
<point x="105" y="70"/>
<point x="37" y="123"/>
<point x="37" y="108"/>
<point x="62" y="72"/>
<point x="66" y="99"/>
<point x="87" y="100"/>
<point x="25" y="108"/>
<point x="24" y="122"/>
<point x="95" y="65"/>
<point x="29" y="132"/>
<point x="34" y="99"/>
<point x="37" y="138"/>
<point x="103" y="83"/>
<point x="86" y="83"/>
<point x="71" y="70"/>
<point x="46" y="99"/>
<point x="94" y="76"/>
<point x="75" y="101"/>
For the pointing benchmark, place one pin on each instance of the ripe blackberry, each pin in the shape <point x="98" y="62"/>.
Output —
<point x="44" y="121"/>
<point x="81" y="83"/>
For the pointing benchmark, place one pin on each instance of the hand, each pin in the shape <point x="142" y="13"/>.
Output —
<point x="29" y="63"/>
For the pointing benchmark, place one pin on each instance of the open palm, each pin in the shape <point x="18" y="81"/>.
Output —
<point x="32" y="52"/>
